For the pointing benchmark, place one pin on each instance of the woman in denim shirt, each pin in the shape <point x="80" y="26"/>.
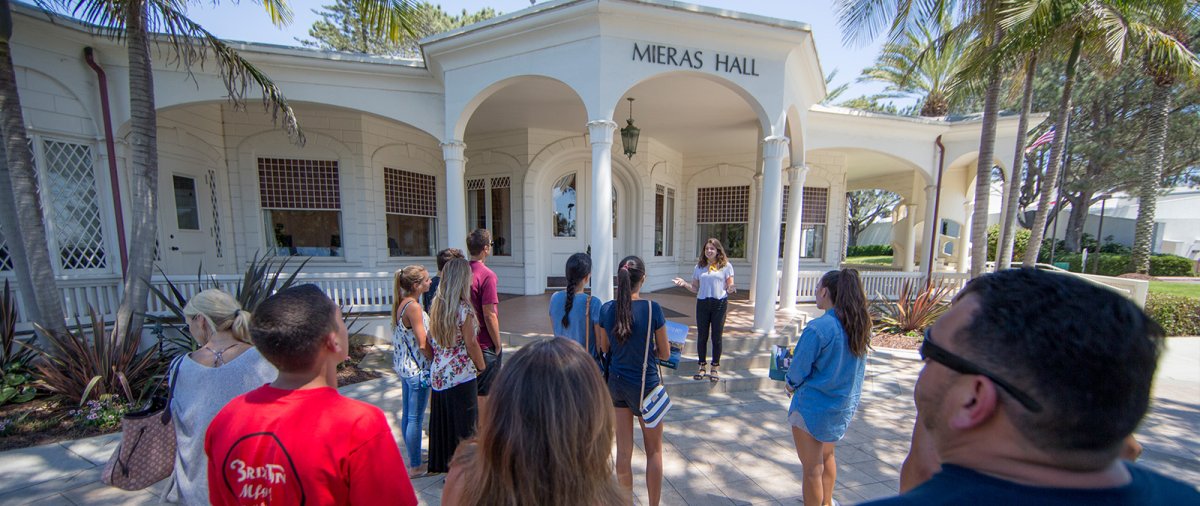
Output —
<point x="826" y="377"/>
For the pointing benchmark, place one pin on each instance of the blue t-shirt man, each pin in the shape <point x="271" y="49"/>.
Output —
<point x="961" y="485"/>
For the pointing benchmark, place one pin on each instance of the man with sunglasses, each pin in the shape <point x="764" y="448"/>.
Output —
<point x="1032" y="381"/>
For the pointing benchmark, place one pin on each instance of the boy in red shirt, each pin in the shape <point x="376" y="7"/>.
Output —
<point x="297" y="440"/>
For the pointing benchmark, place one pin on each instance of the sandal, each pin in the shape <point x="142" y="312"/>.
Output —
<point x="714" y="376"/>
<point x="700" y="374"/>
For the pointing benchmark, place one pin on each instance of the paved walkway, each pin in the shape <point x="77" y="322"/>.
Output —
<point x="720" y="449"/>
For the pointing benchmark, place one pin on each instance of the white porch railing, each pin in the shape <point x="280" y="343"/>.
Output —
<point x="884" y="284"/>
<point x="355" y="291"/>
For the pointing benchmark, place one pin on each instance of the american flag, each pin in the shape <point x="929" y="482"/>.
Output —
<point x="1045" y="138"/>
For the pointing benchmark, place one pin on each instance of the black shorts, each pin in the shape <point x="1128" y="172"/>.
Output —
<point x="491" y="362"/>
<point x="625" y="393"/>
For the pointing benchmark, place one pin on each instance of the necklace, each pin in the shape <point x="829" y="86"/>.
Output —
<point x="218" y="359"/>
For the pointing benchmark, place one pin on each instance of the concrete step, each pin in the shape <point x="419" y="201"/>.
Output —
<point x="732" y="381"/>
<point x="732" y="361"/>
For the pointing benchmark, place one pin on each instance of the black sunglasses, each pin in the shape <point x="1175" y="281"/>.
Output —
<point x="931" y="351"/>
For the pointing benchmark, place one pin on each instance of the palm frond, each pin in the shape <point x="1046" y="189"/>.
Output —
<point x="393" y="19"/>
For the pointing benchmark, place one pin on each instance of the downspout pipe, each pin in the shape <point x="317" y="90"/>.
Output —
<point x="90" y="55"/>
<point x="937" y="203"/>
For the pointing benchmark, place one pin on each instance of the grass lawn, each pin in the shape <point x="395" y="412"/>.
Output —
<point x="1185" y="289"/>
<point x="877" y="260"/>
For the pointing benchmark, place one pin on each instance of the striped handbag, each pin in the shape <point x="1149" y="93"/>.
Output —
<point x="656" y="403"/>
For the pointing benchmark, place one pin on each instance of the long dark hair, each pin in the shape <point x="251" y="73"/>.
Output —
<point x="721" y="260"/>
<point x="578" y="267"/>
<point x="561" y="455"/>
<point x="630" y="274"/>
<point x="850" y="304"/>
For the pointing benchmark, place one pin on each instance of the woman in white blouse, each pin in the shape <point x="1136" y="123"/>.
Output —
<point x="712" y="282"/>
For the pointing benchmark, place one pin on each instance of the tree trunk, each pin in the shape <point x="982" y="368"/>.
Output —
<point x="23" y="223"/>
<point x="1077" y="220"/>
<point x="1151" y="177"/>
<point x="983" y="171"/>
<point x="143" y="146"/>
<point x="1009" y="220"/>
<point x="1050" y="179"/>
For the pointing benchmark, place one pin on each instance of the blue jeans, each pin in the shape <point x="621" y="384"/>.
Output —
<point x="415" y="400"/>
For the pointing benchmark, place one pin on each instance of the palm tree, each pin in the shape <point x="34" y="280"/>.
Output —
<point x="918" y="65"/>
<point x="1168" y="61"/>
<point x="1105" y="27"/>
<point x="1008" y="224"/>
<point x="22" y="223"/>
<point x="863" y="19"/>
<point x="133" y="21"/>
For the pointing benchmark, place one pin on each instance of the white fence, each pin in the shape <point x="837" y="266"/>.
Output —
<point x="881" y="284"/>
<point x="357" y="291"/>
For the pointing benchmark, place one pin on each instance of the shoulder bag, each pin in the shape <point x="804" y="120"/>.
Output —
<point x="146" y="454"/>
<point x="656" y="403"/>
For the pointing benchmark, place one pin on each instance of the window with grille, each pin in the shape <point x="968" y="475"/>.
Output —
<point x="664" y="221"/>
<point x="723" y="213"/>
<point x="489" y="207"/>
<point x="814" y="206"/>
<point x="301" y="201"/>
<point x="74" y="210"/>
<point x="411" y="208"/>
<point x="5" y="259"/>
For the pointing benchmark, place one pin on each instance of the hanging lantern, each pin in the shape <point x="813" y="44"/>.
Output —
<point x="629" y="134"/>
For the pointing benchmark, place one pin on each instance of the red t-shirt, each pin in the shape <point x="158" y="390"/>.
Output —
<point x="311" y="447"/>
<point x="483" y="292"/>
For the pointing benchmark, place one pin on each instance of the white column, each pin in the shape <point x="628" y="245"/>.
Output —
<point x="600" y="134"/>
<point x="929" y="232"/>
<point x="456" y="194"/>
<point x="964" y="240"/>
<point x="752" y="245"/>
<point x="791" y="245"/>
<point x="767" y="258"/>
<point x="910" y="234"/>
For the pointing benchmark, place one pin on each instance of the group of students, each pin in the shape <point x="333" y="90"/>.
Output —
<point x="259" y="419"/>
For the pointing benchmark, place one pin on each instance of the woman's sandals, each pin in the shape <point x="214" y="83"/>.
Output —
<point x="700" y="374"/>
<point x="714" y="376"/>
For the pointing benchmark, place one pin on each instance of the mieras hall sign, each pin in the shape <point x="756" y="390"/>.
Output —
<point x="694" y="59"/>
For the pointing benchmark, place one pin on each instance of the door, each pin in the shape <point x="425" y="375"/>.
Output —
<point x="185" y="220"/>
<point x="571" y="221"/>
<point x="567" y="229"/>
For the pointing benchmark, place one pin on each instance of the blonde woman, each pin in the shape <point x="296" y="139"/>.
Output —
<point x="225" y="366"/>
<point x="457" y="362"/>
<point x="562" y="457"/>
<point x="410" y="356"/>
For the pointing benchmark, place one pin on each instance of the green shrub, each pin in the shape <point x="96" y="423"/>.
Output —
<point x="1171" y="265"/>
<point x="1020" y="244"/>
<point x="1179" y="315"/>
<point x="1116" y="265"/>
<point x="869" y="250"/>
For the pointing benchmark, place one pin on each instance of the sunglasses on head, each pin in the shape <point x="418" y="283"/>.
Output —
<point x="929" y="350"/>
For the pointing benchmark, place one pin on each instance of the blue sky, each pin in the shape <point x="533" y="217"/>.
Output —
<point x="247" y="22"/>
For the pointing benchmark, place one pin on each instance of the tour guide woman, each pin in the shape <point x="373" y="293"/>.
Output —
<point x="826" y="377"/>
<point x="712" y="282"/>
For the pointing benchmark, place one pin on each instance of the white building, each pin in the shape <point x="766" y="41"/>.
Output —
<point x="512" y="125"/>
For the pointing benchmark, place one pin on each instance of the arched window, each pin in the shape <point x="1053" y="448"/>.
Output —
<point x="566" y="210"/>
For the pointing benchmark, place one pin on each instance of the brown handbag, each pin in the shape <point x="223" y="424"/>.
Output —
<point x="146" y="454"/>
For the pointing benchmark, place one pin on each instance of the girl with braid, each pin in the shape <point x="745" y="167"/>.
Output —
<point x="573" y="313"/>
<point x="826" y="379"/>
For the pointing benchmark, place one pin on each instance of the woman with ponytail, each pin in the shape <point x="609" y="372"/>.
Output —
<point x="625" y="324"/>
<point x="225" y="366"/>
<point x="825" y="379"/>
<point x="573" y="313"/>
<point x="411" y="353"/>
